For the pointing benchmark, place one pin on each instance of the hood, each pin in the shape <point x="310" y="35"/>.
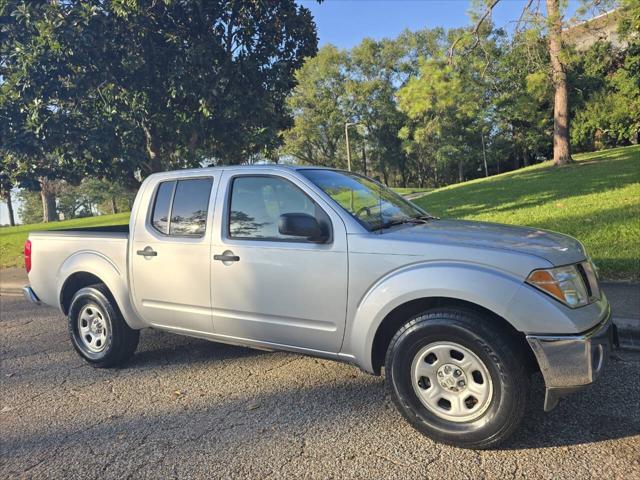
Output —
<point x="554" y="247"/>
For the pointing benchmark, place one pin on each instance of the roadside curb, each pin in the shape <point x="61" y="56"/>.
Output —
<point x="628" y="331"/>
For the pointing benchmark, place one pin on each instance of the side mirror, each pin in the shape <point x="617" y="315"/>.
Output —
<point x="300" y="225"/>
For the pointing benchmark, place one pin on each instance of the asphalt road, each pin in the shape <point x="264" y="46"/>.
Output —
<point x="187" y="408"/>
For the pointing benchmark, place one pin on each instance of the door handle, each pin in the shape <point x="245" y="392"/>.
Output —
<point x="227" y="257"/>
<point x="147" y="252"/>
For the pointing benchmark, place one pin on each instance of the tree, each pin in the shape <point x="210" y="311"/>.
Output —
<point x="449" y="107"/>
<point x="557" y="61"/>
<point x="521" y="100"/>
<point x="356" y="86"/>
<point x="605" y="82"/>
<point x="425" y="119"/>
<point x="124" y="89"/>
<point x="30" y="207"/>
<point x="445" y="111"/>
<point x="37" y="120"/>
<point x="6" y="185"/>
<point x="375" y="71"/>
<point x="320" y="109"/>
<point x="197" y="81"/>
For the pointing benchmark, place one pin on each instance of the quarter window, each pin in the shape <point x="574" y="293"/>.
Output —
<point x="257" y="203"/>
<point x="185" y="203"/>
<point x="160" y="217"/>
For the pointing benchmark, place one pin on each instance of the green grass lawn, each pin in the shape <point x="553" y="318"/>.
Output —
<point x="596" y="200"/>
<point x="12" y="238"/>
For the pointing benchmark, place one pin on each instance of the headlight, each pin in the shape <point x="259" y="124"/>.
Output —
<point x="563" y="283"/>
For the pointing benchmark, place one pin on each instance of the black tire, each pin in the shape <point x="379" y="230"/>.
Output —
<point x="121" y="340"/>
<point x="492" y="344"/>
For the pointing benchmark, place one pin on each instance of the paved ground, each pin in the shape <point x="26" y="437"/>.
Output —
<point x="187" y="408"/>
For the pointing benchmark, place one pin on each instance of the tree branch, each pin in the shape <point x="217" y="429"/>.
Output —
<point x="522" y="14"/>
<point x="474" y="31"/>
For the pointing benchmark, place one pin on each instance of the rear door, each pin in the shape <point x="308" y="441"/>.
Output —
<point x="272" y="288"/>
<point x="171" y="254"/>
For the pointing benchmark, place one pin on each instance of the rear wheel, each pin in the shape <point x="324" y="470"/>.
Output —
<point x="98" y="331"/>
<point x="457" y="378"/>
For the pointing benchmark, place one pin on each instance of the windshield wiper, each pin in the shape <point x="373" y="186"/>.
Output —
<point x="402" y="221"/>
<point x="427" y="217"/>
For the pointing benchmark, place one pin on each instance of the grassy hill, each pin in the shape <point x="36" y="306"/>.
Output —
<point x="12" y="238"/>
<point x="596" y="200"/>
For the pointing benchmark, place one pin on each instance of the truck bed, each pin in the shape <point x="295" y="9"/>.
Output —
<point x="55" y="253"/>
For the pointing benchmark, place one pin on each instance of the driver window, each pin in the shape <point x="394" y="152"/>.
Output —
<point x="257" y="203"/>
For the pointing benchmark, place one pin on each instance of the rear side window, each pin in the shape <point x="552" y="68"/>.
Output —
<point x="190" y="204"/>
<point x="180" y="208"/>
<point x="160" y="217"/>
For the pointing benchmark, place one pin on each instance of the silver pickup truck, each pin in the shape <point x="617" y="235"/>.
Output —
<point x="333" y="264"/>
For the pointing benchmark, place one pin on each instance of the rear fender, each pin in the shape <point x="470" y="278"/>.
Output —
<point x="95" y="263"/>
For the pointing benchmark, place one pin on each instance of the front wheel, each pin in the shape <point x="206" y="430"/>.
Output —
<point x="98" y="331"/>
<point x="456" y="379"/>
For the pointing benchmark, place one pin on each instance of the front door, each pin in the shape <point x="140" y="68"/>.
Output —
<point x="171" y="256"/>
<point x="270" y="287"/>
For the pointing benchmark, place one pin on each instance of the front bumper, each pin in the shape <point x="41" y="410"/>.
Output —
<point x="571" y="362"/>
<point x="30" y="295"/>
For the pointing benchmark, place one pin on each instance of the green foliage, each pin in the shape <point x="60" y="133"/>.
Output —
<point x="596" y="200"/>
<point x="607" y="95"/>
<point x="319" y="105"/>
<point x="444" y="107"/>
<point x="428" y="120"/>
<point x="115" y="88"/>
<point x="421" y="119"/>
<point x="91" y="197"/>
<point x="30" y="210"/>
<point x="359" y="86"/>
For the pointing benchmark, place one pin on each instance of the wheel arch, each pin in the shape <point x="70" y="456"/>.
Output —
<point x="419" y="287"/>
<point x="395" y="319"/>
<point x="87" y="268"/>
<point x="72" y="284"/>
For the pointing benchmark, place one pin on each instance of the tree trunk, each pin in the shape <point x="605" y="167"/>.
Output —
<point x="385" y="175"/>
<point x="460" y="171"/>
<point x="525" y="156"/>
<point x="364" y="159"/>
<point x="114" y="205"/>
<point x="7" y="199"/>
<point x="48" y="196"/>
<point x="193" y="145"/>
<point x="153" y="150"/>
<point x="561" y="145"/>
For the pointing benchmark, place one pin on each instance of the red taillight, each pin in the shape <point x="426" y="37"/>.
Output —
<point x="27" y="255"/>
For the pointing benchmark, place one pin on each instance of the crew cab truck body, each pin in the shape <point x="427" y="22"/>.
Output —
<point x="332" y="264"/>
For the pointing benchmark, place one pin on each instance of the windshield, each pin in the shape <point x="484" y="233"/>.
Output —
<point x="371" y="203"/>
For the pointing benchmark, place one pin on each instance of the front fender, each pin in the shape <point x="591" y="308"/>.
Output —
<point x="115" y="278"/>
<point x="477" y="284"/>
